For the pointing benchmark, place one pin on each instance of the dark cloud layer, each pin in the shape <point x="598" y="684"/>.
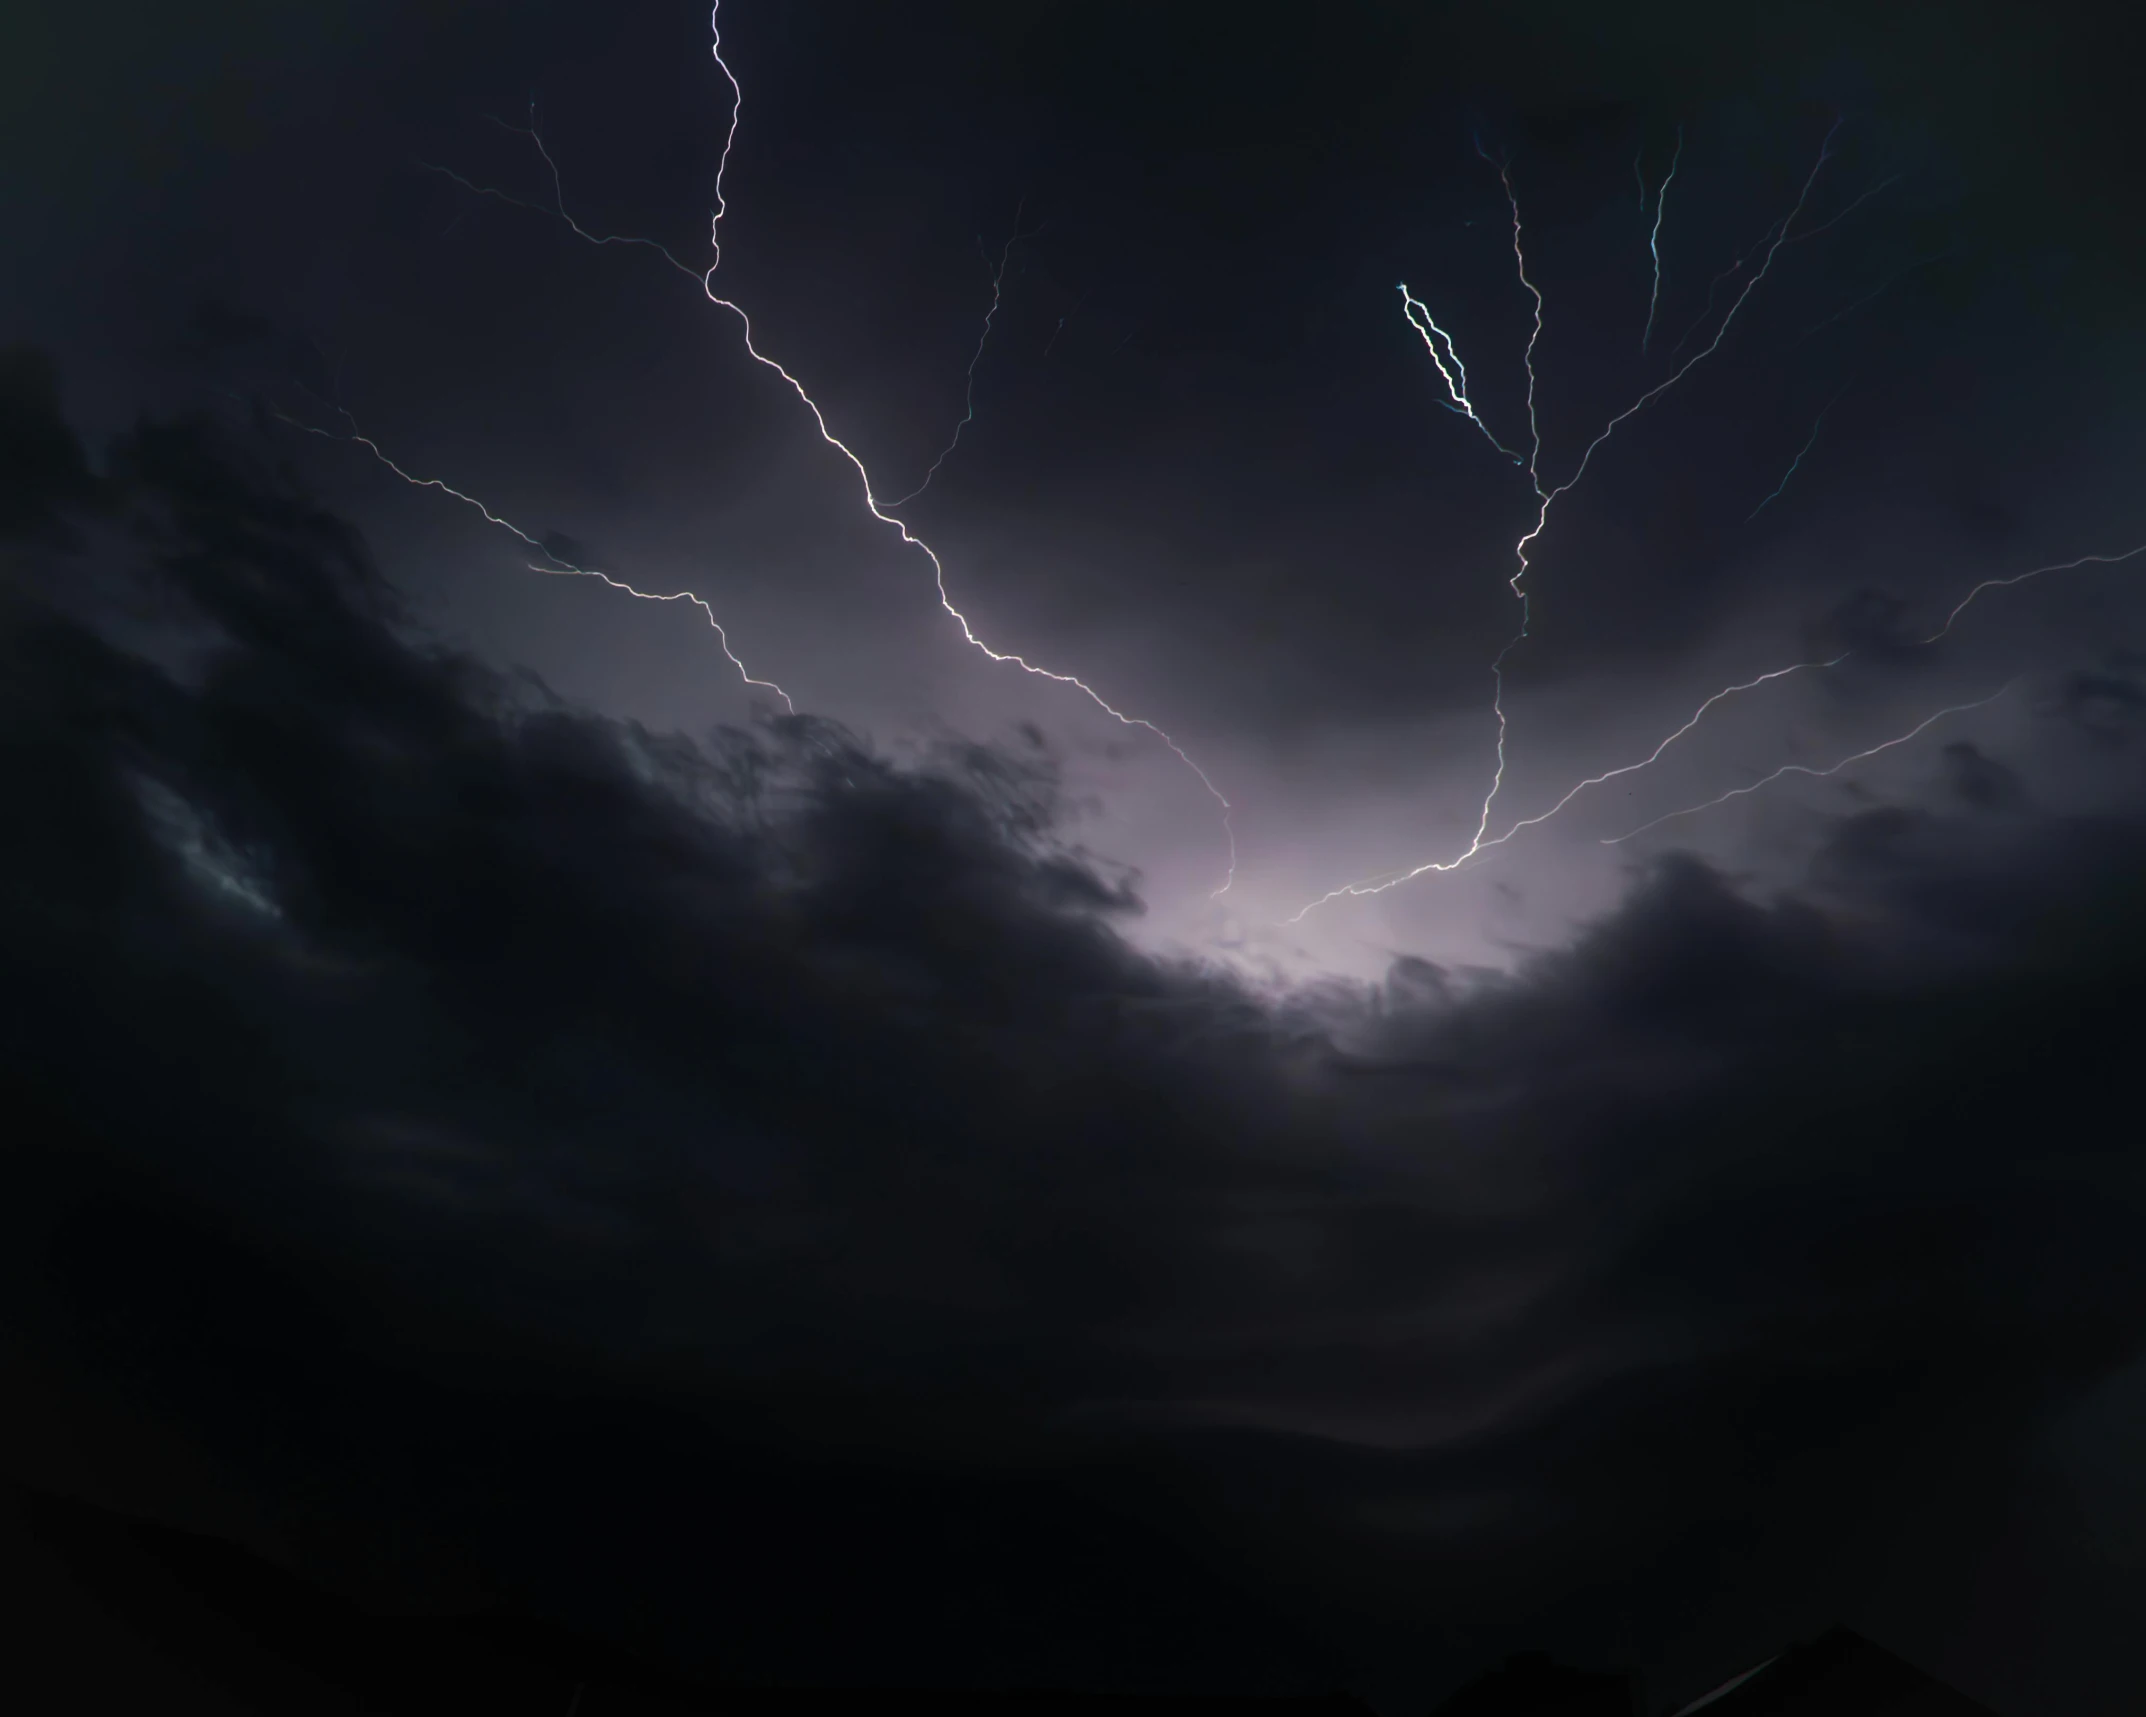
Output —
<point x="746" y="1194"/>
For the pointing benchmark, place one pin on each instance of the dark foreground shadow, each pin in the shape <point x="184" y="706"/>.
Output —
<point x="115" y="1613"/>
<point x="118" y="1614"/>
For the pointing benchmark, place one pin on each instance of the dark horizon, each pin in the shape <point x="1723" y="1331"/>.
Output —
<point x="164" y="1616"/>
<point x="1120" y="1084"/>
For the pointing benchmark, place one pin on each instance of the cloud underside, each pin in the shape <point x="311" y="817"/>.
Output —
<point x="820" y="1091"/>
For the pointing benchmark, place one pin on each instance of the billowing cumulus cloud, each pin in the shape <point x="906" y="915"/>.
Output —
<point x="766" y="1160"/>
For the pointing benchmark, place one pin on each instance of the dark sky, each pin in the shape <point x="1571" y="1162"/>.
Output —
<point x="836" y="1198"/>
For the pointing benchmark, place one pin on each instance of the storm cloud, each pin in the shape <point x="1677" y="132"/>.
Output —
<point x="747" y="1192"/>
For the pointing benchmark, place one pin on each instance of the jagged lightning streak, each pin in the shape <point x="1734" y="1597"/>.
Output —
<point x="1809" y="443"/>
<point x="1455" y="377"/>
<point x="1385" y="880"/>
<point x="1776" y="235"/>
<point x="559" y="566"/>
<point x="2022" y="577"/>
<point x="946" y="601"/>
<point x="1918" y="729"/>
<point x="1798" y="667"/>
<point x="1533" y="463"/>
<point x="706" y="280"/>
<point x="1653" y="756"/>
<point x="1654" y="239"/>
<point x="1825" y="154"/>
<point x="1713" y="286"/>
<point x="1549" y="497"/>
<point x="968" y="413"/>
<point x="1534" y="468"/>
<point x="1778" y="673"/>
<point x="872" y="504"/>
<point x="1393" y="879"/>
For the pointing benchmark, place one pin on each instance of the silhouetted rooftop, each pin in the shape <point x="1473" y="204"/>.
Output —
<point x="1839" y="1674"/>
<point x="1531" y="1685"/>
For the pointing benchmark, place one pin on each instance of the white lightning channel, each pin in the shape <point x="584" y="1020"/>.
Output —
<point x="1451" y="370"/>
<point x="706" y="280"/>
<point x="2021" y="578"/>
<point x="1547" y="498"/>
<point x="1393" y="879"/>
<point x="1654" y="238"/>
<point x="559" y="567"/>
<point x="1919" y="728"/>
<point x="1390" y="879"/>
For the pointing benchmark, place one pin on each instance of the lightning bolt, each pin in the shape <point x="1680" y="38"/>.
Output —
<point x="1451" y="370"/>
<point x="1798" y="460"/>
<point x="1547" y="498"/>
<point x="559" y="567"/>
<point x="1713" y="287"/>
<point x="1825" y="153"/>
<point x="705" y="278"/>
<point x="1380" y="883"/>
<point x="2022" y="577"/>
<point x="1654" y="239"/>
<point x="998" y="281"/>
<point x="1456" y="380"/>
<point x="1919" y="728"/>
<point x="1832" y="221"/>
<point x="1393" y="879"/>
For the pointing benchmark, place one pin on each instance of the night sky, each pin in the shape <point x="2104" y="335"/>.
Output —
<point x="517" y="1116"/>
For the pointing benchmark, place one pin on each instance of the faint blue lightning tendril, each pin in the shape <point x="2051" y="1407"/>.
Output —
<point x="1877" y="291"/>
<point x="559" y="567"/>
<point x="1810" y="443"/>
<point x="1835" y="220"/>
<point x="1750" y="286"/>
<point x="1805" y="769"/>
<point x="1654" y="239"/>
<point x="1714" y="286"/>
<point x="968" y="413"/>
